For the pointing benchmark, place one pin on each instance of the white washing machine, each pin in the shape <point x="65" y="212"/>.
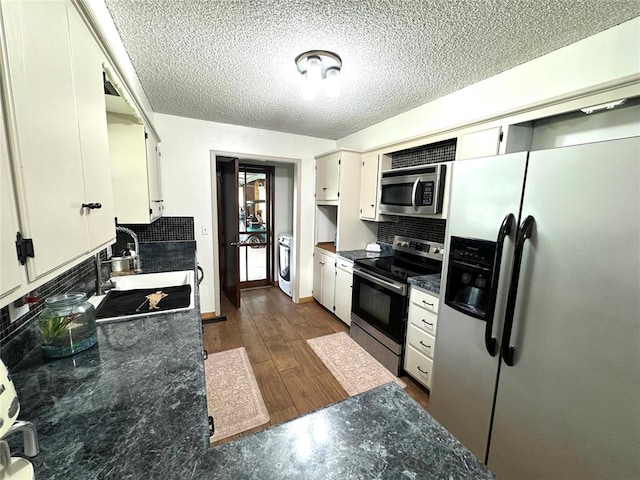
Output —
<point x="285" y="279"/>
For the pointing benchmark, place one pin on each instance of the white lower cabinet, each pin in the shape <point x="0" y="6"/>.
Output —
<point x="421" y="335"/>
<point x="332" y="283"/>
<point x="324" y="277"/>
<point x="343" y="289"/>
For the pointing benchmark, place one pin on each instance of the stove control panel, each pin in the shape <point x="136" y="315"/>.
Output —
<point x="416" y="246"/>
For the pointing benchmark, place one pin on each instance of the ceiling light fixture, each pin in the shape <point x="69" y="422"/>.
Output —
<point x="603" y="106"/>
<point x="319" y="69"/>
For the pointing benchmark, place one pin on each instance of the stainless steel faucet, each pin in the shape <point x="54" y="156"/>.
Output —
<point x="31" y="445"/>
<point x="101" y="285"/>
<point x="137" y="265"/>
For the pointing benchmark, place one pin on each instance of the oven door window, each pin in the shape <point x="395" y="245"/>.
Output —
<point x="379" y="307"/>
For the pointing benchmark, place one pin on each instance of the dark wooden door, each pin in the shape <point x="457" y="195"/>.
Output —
<point x="228" y="220"/>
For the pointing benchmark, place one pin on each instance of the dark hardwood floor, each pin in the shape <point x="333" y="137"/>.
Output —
<point x="292" y="379"/>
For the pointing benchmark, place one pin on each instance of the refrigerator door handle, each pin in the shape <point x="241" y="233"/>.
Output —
<point x="525" y="231"/>
<point x="491" y="342"/>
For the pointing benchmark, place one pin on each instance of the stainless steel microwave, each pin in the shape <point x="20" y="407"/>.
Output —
<point x="413" y="191"/>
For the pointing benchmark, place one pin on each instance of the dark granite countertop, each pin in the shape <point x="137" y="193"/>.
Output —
<point x="430" y="283"/>
<point x="134" y="406"/>
<point x="382" y="433"/>
<point x="386" y="251"/>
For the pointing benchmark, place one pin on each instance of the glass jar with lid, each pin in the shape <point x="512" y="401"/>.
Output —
<point x="68" y="325"/>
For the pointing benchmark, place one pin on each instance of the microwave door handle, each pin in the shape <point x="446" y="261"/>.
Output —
<point x="413" y="193"/>
<point x="490" y="342"/>
<point x="525" y="232"/>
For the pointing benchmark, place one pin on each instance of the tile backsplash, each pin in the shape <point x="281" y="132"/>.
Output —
<point x="80" y="278"/>
<point x="431" y="229"/>
<point x="444" y="151"/>
<point x="164" y="229"/>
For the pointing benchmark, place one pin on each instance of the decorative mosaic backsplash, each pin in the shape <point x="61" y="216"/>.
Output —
<point x="444" y="151"/>
<point x="80" y="278"/>
<point x="431" y="229"/>
<point x="164" y="229"/>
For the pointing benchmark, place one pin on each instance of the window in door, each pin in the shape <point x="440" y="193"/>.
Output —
<point x="255" y="225"/>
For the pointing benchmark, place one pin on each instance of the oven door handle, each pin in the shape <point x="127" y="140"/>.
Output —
<point x="401" y="289"/>
<point x="413" y="193"/>
<point x="491" y="342"/>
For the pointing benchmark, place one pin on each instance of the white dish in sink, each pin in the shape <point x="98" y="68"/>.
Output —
<point x="149" y="280"/>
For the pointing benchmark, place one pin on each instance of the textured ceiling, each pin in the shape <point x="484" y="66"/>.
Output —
<point x="233" y="61"/>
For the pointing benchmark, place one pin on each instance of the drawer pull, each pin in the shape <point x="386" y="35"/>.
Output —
<point x="427" y="303"/>
<point x="430" y="324"/>
<point x="425" y="345"/>
<point x="422" y="371"/>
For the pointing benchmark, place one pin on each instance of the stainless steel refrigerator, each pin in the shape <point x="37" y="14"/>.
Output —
<point x="537" y="356"/>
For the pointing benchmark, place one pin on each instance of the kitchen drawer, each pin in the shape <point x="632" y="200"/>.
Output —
<point x="421" y="341"/>
<point x="418" y="366"/>
<point x="343" y="264"/>
<point x="422" y="318"/>
<point x="424" y="300"/>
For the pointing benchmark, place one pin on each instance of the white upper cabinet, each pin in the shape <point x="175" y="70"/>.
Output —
<point x="494" y="141"/>
<point x="135" y="163"/>
<point x="479" y="144"/>
<point x="92" y="121"/>
<point x="53" y="117"/>
<point x="328" y="177"/>
<point x="154" y="178"/>
<point x="339" y="216"/>
<point x="12" y="273"/>
<point x="372" y="165"/>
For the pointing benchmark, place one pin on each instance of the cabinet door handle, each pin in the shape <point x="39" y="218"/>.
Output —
<point x="427" y="303"/>
<point x="425" y="345"/>
<point x="372" y="205"/>
<point x="430" y="324"/>
<point x="92" y="206"/>
<point x="422" y="371"/>
<point x="324" y="188"/>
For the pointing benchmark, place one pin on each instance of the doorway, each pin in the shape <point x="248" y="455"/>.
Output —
<point x="245" y="199"/>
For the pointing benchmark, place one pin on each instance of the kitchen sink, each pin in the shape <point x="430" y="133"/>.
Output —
<point x="142" y="285"/>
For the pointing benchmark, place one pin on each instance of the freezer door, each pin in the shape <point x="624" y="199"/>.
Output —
<point x="484" y="191"/>
<point x="569" y="406"/>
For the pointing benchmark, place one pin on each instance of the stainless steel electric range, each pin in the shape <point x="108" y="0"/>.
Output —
<point x="381" y="296"/>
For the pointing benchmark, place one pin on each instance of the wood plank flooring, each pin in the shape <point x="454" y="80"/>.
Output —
<point x="292" y="379"/>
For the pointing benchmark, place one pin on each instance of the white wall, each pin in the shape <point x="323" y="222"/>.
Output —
<point x="595" y="61"/>
<point x="186" y="181"/>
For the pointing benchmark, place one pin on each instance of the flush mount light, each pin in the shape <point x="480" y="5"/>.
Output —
<point x="319" y="69"/>
<point x="603" y="106"/>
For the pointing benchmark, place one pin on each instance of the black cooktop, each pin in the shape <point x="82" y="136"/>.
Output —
<point x="397" y="268"/>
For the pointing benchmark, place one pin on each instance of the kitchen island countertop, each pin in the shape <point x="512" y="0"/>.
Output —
<point x="134" y="407"/>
